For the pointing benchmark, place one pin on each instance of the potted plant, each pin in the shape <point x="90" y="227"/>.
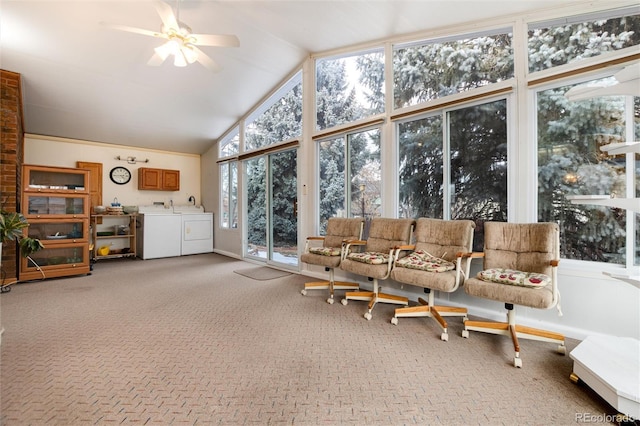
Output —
<point x="11" y="227"/>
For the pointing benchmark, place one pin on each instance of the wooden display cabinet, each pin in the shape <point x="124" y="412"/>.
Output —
<point x="55" y="201"/>
<point x="117" y="232"/>
<point x="158" y="179"/>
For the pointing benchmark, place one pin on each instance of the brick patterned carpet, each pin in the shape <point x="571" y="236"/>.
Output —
<point x="187" y="341"/>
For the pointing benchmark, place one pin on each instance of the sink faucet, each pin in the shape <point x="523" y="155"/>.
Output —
<point x="192" y="200"/>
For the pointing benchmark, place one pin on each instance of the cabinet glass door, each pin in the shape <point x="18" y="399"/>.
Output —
<point x="59" y="205"/>
<point x="59" y="231"/>
<point x="55" y="180"/>
<point x="54" y="256"/>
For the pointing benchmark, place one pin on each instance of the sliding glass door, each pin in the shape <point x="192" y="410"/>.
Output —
<point x="272" y="225"/>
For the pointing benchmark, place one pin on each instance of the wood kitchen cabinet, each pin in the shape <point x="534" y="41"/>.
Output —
<point x="55" y="201"/>
<point x="158" y="179"/>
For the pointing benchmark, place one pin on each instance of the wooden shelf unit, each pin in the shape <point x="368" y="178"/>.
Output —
<point x="122" y="242"/>
<point x="55" y="201"/>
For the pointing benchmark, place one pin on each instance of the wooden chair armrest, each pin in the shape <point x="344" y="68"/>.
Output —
<point x="555" y="262"/>
<point x="315" y="238"/>
<point x="471" y="254"/>
<point x="405" y="247"/>
<point x="355" y="242"/>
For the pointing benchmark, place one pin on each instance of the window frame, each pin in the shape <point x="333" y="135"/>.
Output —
<point x="443" y="112"/>
<point x="345" y="135"/>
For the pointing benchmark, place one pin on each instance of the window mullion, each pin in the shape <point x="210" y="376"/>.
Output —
<point x="630" y="183"/>
<point x="446" y="167"/>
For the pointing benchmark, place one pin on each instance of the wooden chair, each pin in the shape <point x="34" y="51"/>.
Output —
<point x="520" y="268"/>
<point x="375" y="259"/>
<point x="329" y="254"/>
<point x="439" y="260"/>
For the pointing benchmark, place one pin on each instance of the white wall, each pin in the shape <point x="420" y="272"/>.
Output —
<point x="226" y="241"/>
<point x="52" y="151"/>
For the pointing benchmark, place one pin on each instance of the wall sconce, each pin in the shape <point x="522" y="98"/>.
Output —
<point x="132" y="160"/>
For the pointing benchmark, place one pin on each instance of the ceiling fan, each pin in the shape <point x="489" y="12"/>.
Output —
<point x="180" y="43"/>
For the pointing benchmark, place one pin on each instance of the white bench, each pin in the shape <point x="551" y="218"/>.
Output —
<point x="611" y="366"/>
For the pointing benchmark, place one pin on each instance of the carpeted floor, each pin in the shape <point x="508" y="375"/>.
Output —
<point x="188" y="341"/>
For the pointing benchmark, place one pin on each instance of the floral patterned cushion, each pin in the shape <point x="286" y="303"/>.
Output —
<point x="518" y="278"/>
<point x="424" y="261"/>
<point x="326" y="251"/>
<point x="369" y="257"/>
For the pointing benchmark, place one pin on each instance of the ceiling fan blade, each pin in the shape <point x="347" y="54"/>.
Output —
<point x="206" y="61"/>
<point x="134" y="30"/>
<point x="166" y="14"/>
<point x="630" y="72"/>
<point x="156" y="60"/>
<point x="222" y="40"/>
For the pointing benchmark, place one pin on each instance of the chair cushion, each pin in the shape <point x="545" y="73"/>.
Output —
<point x="424" y="261"/>
<point x="373" y="258"/>
<point x="326" y="251"/>
<point x="513" y="277"/>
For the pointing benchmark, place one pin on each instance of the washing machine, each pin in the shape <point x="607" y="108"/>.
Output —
<point x="196" y="229"/>
<point x="158" y="232"/>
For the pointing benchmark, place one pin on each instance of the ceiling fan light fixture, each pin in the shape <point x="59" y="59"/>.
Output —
<point x="163" y="51"/>
<point x="179" y="59"/>
<point x="190" y="55"/>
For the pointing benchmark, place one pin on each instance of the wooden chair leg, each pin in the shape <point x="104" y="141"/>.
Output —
<point x="510" y="328"/>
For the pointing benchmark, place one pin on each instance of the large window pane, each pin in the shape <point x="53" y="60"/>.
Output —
<point x="433" y="69"/>
<point x="572" y="39"/>
<point x="332" y="179"/>
<point x="350" y="169"/>
<point x="365" y="173"/>
<point x="420" y="168"/>
<point x="256" y="207"/>
<point x="230" y="144"/>
<point x="229" y="195"/>
<point x="478" y="162"/>
<point x="283" y="203"/>
<point x="224" y="195"/>
<point x="570" y="162"/>
<point x="278" y="119"/>
<point x="349" y="88"/>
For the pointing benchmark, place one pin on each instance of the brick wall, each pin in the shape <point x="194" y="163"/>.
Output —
<point x="11" y="158"/>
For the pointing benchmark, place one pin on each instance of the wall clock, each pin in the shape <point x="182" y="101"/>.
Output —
<point x="120" y="175"/>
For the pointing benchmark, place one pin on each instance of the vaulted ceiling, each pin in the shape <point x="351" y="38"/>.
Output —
<point x="83" y="80"/>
